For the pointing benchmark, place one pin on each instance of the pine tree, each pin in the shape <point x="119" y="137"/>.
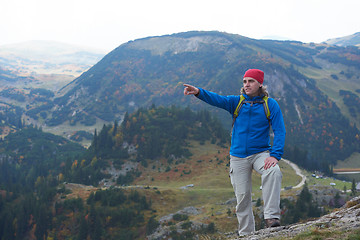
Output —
<point x="83" y="229"/>
<point x="95" y="229"/>
<point x="305" y="195"/>
<point x="21" y="223"/>
<point x="353" y="188"/>
<point x="20" y="124"/>
<point x="151" y="225"/>
<point x="115" y="127"/>
<point x="94" y="144"/>
<point x="258" y="202"/>
<point x="9" y="231"/>
<point x="42" y="221"/>
<point x="337" y="200"/>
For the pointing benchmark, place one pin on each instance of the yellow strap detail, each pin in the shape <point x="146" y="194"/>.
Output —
<point x="267" y="110"/>
<point x="236" y="113"/>
<point x="266" y="107"/>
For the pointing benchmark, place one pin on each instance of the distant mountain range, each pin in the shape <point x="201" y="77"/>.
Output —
<point x="46" y="61"/>
<point x="351" y="40"/>
<point x="317" y="85"/>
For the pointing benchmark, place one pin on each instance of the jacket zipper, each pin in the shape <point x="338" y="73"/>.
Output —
<point x="248" y="129"/>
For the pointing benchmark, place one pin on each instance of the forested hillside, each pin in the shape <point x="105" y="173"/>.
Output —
<point x="35" y="167"/>
<point x="53" y="188"/>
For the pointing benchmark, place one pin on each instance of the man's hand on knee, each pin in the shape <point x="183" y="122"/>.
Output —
<point x="270" y="162"/>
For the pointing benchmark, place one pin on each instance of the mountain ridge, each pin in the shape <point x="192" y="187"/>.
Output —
<point x="350" y="40"/>
<point x="304" y="78"/>
<point x="152" y="70"/>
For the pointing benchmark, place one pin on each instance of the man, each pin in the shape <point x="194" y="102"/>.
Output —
<point x="250" y="147"/>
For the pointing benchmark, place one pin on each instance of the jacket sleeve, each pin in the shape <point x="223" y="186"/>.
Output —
<point x="225" y="102"/>
<point x="278" y="127"/>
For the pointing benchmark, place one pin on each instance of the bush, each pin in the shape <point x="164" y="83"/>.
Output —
<point x="186" y="225"/>
<point x="210" y="228"/>
<point x="151" y="225"/>
<point x="180" y="217"/>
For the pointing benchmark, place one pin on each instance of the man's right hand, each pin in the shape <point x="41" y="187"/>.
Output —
<point x="190" y="90"/>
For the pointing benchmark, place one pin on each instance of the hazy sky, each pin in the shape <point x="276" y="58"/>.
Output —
<point x="106" y="24"/>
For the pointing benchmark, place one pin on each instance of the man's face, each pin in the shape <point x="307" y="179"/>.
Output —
<point x="251" y="86"/>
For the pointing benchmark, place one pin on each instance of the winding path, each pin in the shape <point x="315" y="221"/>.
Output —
<point x="298" y="172"/>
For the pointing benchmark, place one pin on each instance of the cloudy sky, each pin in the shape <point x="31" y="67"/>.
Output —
<point x="106" y="24"/>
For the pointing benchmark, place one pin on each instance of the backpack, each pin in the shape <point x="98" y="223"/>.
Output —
<point x="264" y="101"/>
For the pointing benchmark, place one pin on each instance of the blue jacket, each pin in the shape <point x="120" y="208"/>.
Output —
<point x="251" y="131"/>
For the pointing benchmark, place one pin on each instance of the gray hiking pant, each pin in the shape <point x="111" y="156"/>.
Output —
<point x="240" y="176"/>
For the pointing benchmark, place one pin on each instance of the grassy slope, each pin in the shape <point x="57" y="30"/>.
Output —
<point x="65" y="130"/>
<point x="331" y="87"/>
<point x="353" y="160"/>
<point x="352" y="234"/>
<point x="212" y="187"/>
<point x="210" y="179"/>
<point x="350" y="162"/>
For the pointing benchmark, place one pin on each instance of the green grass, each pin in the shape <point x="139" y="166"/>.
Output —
<point x="212" y="187"/>
<point x="65" y="130"/>
<point x="324" y="234"/>
<point x="331" y="87"/>
<point x="326" y="182"/>
<point x="351" y="162"/>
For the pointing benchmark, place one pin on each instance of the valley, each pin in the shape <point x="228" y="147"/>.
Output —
<point x="200" y="189"/>
<point x="95" y="145"/>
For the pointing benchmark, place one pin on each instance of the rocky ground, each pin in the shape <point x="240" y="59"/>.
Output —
<point x="345" y="219"/>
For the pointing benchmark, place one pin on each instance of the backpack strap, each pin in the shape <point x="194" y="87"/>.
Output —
<point x="241" y="102"/>
<point x="264" y="101"/>
<point x="266" y="107"/>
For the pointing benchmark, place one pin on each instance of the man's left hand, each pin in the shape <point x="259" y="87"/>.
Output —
<point x="270" y="162"/>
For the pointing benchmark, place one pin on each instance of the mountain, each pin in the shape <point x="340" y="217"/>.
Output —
<point x="10" y="118"/>
<point x="47" y="62"/>
<point x="10" y="78"/>
<point x="30" y="71"/>
<point x="351" y="40"/>
<point x="48" y="57"/>
<point x="313" y="83"/>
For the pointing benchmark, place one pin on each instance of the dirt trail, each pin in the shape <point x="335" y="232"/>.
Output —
<point x="298" y="172"/>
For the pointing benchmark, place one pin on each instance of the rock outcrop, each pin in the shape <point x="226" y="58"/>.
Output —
<point x="344" y="219"/>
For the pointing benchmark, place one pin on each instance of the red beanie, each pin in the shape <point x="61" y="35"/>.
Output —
<point x="256" y="74"/>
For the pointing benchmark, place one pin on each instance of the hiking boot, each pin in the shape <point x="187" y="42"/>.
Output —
<point x="272" y="222"/>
